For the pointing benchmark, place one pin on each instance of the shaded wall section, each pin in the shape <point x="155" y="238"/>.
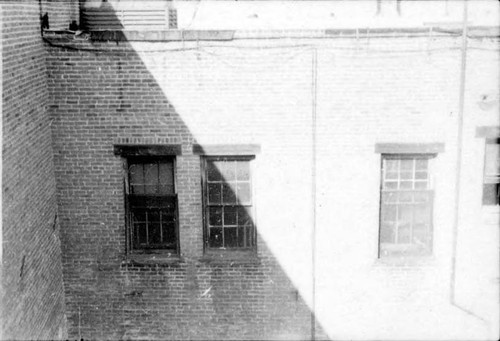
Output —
<point x="32" y="286"/>
<point x="104" y="94"/>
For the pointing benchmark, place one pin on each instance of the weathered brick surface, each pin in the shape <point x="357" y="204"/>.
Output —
<point x="368" y="91"/>
<point x="32" y="286"/>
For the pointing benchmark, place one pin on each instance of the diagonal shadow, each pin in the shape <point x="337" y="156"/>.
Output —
<point x="231" y="287"/>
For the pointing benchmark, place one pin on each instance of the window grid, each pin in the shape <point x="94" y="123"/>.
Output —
<point x="228" y="203"/>
<point x="406" y="205"/>
<point x="152" y="204"/>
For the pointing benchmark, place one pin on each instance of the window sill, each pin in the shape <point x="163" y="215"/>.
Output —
<point x="405" y="261"/>
<point x="153" y="259"/>
<point x="230" y="257"/>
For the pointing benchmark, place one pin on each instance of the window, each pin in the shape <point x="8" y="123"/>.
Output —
<point x="152" y="204"/>
<point x="406" y="205"/>
<point x="491" y="185"/>
<point x="228" y="208"/>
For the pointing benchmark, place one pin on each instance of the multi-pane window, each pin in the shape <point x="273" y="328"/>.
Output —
<point x="406" y="205"/>
<point x="491" y="185"/>
<point x="152" y="204"/>
<point x="228" y="203"/>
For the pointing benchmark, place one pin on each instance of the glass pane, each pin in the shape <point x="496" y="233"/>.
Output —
<point x="228" y="195"/>
<point x="243" y="170"/>
<point x="214" y="193"/>
<point x="421" y="197"/>
<point x="406" y="197"/>
<point x="138" y="216"/>
<point x="420" y="184"/>
<point x="407" y="165"/>
<point x="140" y="234"/>
<point x="230" y="215"/>
<point x="243" y="217"/>
<point x="150" y="189"/>
<point x="421" y="164"/>
<point x="213" y="173"/>
<point x="151" y="173"/>
<point x="227" y="170"/>
<point x="421" y="236"/>
<point x="387" y="233"/>
<point x="389" y="213"/>
<point x="404" y="234"/>
<point x="406" y="185"/>
<point x="153" y="215"/>
<point x="421" y="175"/>
<point x="215" y="237"/>
<point x="406" y="175"/>
<point x="422" y="215"/>
<point x="215" y="216"/>
<point x="491" y="194"/>
<point x="250" y="236"/>
<point x="390" y="197"/>
<point x="136" y="178"/>
<point x="230" y="237"/>
<point x="169" y="236"/>
<point x="492" y="162"/>
<point x="391" y="175"/>
<point x="241" y="236"/>
<point x="391" y="165"/>
<point x="243" y="190"/>
<point x="166" y="178"/>
<point x="390" y="185"/>
<point x="154" y="233"/>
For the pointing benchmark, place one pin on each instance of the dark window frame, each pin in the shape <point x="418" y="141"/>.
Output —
<point x="490" y="180"/>
<point x="250" y="208"/>
<point x="413" y="195"/>
<point x="150" y="199"/>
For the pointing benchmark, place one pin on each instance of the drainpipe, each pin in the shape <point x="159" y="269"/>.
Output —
<point x="314" y="83"/>
<point x="459" y="155"/>
<point x="461" y="100"/>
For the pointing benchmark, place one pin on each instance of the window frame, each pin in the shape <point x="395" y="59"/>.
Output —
<point x="129" y="230"/>
<point x="431" y="199"/>
<point x="205" y="204"/>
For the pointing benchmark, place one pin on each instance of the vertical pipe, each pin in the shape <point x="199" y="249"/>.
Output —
<point x="460" y="124"/>
<point x="313" y="190"/>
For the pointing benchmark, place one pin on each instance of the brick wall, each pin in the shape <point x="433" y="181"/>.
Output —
<point x="32" y="287"/>
<point x="401" y="90"/>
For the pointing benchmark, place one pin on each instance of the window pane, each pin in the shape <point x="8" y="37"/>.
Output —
<point x="387" y="233"/>
<point x="169" y="236"/>
<point x="213" y="173"/>
<point x="154" y="233"/>
<point x="421" y="175"/>
<point x="139" y="216"/>
<point x="406" y="175"/>
<point x="391" y="185"/>
<point x="230" y="215"/>
<point x="244" y="196"/>
<point x="230" y="237"/>
<point x="404" y="234"/>
<point x="391" y="175"/>
<point x="227" y="170"/>
<point x="243" y="170"/>
<point x="491" y="194"/>
<point x="215" y="216"/>
<point x="421" y="164"/>
<point x="140" y="234"/>
<point x="215" y="237"/>
<point x="241" y="237"/>
<point x="407" y="165"/>
<point x="389" y="213"/>
<point x="243" y="217"/>
<point x="151" y="173"/>
<point x="391" y="165"/>
<point x="420" y="184"/>
<point x="166" y="178"/>
<point x="228" y="195"/>
<point x="406" y="185"/>
<point x="136" y="178"/>
<point x="250" y="236"/>
<point x="214" y="193"/>
<point x="492" y="162"/>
